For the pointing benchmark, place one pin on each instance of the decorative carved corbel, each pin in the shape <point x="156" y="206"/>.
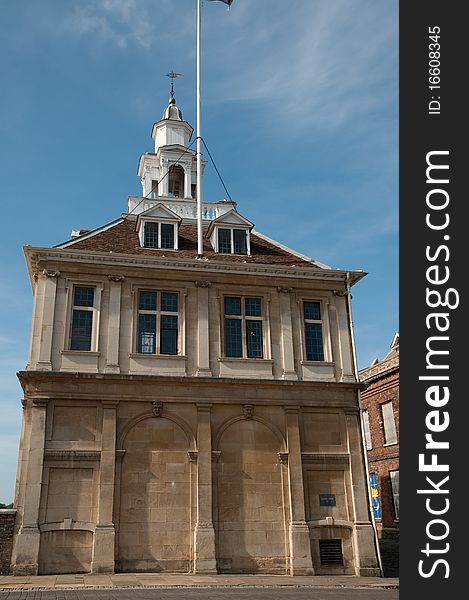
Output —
<point x="48" y="273"/>
<point x="192" y="456"/>
<point x="283" y="458"/>
<point x="285" y="290"/>
<point x="202" y="284"/>
<point x="116" y="278"/>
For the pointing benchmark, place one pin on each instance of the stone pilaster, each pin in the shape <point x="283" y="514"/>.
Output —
<point x="203" y="339"/>
<point x="47" y="283"/>
<point x="204" y="538"/>
<point x="286" y="336"/>
<point x="300" y="545"/>
<point x="366" y="559"/>
<point x="103" y="540"/>
<point x="348" y="370"/>
<point x="112" y="354"/>
<point x="26" y="551"/>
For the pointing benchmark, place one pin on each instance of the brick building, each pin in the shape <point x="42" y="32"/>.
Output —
<point x="380" y="404"/>
<point x="188" y="413"/>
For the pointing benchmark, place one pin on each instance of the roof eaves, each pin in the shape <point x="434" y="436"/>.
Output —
<point x="287" y="249"/>
<point x="90" y="234"/>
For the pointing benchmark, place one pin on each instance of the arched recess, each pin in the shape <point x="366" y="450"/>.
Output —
<point x="176" y="181"/>
<point x="250" y="517"/>
<point x="155" y="522"/>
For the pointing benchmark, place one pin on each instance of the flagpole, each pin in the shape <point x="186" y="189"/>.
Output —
<point x="200" y="244"/>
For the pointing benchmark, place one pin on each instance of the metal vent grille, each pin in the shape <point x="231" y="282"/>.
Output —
<point x="331" y="552"/>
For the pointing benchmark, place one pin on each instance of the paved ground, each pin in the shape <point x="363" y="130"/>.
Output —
<point x="155" y="586"/>
<point x="210" y="593"/>
<point x="158" y="580"/>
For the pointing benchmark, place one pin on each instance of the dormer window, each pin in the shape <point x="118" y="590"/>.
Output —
<point x="157" y="228"/>
<point x="230" y="234"/>
<point x="159" y="235"/>
<point x="232" y="241"/>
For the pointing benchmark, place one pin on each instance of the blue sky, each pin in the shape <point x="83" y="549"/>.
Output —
<point x="300" y="115"/>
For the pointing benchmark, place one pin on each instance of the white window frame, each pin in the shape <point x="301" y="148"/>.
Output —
<point x="150" y="287"/>
<point x="141" y="233"/>
<point x="96" y="308"/>
<point x="326" y="337"/>
<point x="265" y="318"/>
<point x="388" y="434"/>
<point x="393" y="493"/>
<point x="231" y="228"/>
<point x="367" y="430"/>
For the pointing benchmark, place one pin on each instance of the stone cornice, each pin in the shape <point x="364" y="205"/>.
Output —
<point x="38" y="257"/>
<point x="190" y="389"/>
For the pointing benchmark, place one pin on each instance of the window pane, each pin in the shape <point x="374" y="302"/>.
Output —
<point x="169" y="302"/>
<point x="239" y="240"/>
<point x="147" y="334"/>
<point x="366" y="427"/>
<point x="83" y="296"/>
<point x="82" y="321"/>
<point x="394" y="475"/>
<point x="224" y="241"/>
<point x="232" y="306"/>
<point x="254" y="339"/>
<point x="147" y="301"/>
<point x="314" y="347"/>
<point x="169" y="334"/>
<point x="233" y="338"/>
<point x="390" y="434"/>
<point x="312" y="310"/>
<point x="150" y="238"/>
<point x="252" y="307"/>
<point x="167" y="235"/>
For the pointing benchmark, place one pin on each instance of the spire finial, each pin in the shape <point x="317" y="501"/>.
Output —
<point x="172" y="75"/>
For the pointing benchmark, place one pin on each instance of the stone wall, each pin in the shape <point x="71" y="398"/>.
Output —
<point x="7" y="524"/>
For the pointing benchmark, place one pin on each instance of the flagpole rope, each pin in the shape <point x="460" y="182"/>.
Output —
<point x="218" y="172"/>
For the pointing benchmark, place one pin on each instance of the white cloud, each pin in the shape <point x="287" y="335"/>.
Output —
<point x="117" y="21"/>
<point x="319" y="62"/>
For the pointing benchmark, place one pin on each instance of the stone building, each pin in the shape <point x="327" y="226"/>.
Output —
<point x="188" y="414"/>
<point x="380" y="403"/>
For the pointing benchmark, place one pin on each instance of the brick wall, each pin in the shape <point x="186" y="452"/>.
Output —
<point x="383" y="386"/>
<point x="7" y="524"/>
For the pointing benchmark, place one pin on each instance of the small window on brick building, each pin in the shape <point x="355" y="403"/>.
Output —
<point x="366" y="427"/>
<point x="394" y="477"/>
<point x="389" y="424"/>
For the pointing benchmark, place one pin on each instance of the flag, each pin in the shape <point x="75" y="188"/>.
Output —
<point x="229" y="2"/>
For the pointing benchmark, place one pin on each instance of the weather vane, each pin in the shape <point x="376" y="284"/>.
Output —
<point x="173" y="76"/>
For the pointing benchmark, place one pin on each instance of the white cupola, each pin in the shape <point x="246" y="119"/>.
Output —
<point x="171" y="170"/>
<point x="172" y="129"/>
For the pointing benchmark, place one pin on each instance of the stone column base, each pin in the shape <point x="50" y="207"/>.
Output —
<point x="103" y="549"/>
<point x="205" y="560"/>
<point x="367" y="563"/>
<point x="301" y="562"/>
<point x="26" y="552"/>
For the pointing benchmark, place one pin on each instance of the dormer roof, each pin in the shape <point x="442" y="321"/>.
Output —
<point x="232" y="218"/>
<point x="159" y="212"/>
